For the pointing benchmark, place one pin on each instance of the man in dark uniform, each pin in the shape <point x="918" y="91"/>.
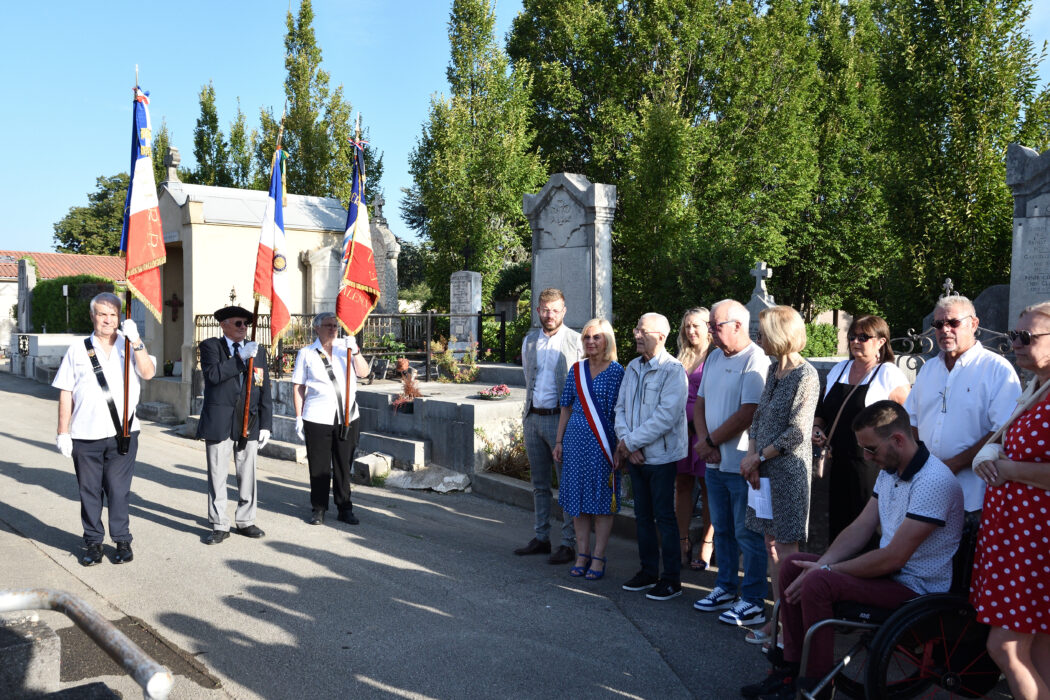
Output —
<point x="224" y="363"/>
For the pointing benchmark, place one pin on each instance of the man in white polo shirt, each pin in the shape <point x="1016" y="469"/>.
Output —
<point x="919" y="506"/>
<point x="961" y="396"/>
<point x="88" y="417"/>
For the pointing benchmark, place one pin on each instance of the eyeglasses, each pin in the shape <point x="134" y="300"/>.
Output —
<point x="953" y="322"/>
<point x="1023" y="337"/>
<point x="239" y="323"/>
<point x="596" y="336"/>
<point x="715" y="326"/>
<point x="860" y="337"/>
<point x="870" y="452"/>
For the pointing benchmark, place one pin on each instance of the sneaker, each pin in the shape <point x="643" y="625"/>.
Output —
<point x="641" y="582"/>
<point x="779" y="679"/>
<point x="717" y="599"/>
<point x="743" y="614"/>
<point x="665" y="590"/>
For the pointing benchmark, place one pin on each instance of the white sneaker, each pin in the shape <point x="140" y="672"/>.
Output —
<point x="743" y="614"/>
<point x="717" y="599"/>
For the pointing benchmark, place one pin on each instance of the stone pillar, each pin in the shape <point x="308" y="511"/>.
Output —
<point x="1028" y="175"/>
<point x="571" y="220"/>
<point x="464" y="298"/>
<point x="760" y="297"/>
<point x="26" y="282"/>
<point x="324" y="269"/>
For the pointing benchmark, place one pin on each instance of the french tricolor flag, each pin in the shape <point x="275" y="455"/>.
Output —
<point x="271" y="261"/>
<point x="142" y="237"/>
<point x="359" y="287"/>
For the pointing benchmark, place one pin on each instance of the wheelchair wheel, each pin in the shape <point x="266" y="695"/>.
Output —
<point x="850" y="681"/>
<point x="935" y="639"/>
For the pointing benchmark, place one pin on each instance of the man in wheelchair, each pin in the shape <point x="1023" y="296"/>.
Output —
<point x="918" y="503"/>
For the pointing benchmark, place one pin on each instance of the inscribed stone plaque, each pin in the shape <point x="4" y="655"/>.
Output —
<point x="464" y="296"/>
<point x="1028" y="175"/>
<point x="571" y="220"/>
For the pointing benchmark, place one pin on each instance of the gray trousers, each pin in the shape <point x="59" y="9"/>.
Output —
<point x="219" y="455"/>
<point x="540" y="435"/>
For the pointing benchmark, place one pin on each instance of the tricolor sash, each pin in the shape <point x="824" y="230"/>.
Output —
<point x="597" y="421"/>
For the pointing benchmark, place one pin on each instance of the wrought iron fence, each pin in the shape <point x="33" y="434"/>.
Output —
<point x="383" y="336"/>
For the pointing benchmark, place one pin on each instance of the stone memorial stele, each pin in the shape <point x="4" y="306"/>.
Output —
<point x="1028" y="175"/>
<point x="760" y="297"/>
<point x="464" y="297"/>
<point x="571" y="220"/>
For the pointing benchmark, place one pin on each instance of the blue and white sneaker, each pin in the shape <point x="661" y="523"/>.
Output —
<point x="717" y="599"/>
<point x="743" y="614"/>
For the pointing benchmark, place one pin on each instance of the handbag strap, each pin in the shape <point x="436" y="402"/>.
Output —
<point x="335" y="385"/>
<point x="845" y="401"/>
<point x="104" y="385"/>
<point x="1023" y="404"/>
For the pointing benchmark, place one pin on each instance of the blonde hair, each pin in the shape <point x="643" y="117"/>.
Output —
<point x="689" y="355"/>
<point x="606" y="329"/>
<point x="783" y="330"/>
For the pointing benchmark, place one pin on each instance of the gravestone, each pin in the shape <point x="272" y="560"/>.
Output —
<point x="571" y="220"/>
<point x="1028" y="175"/>
<point x="464" y="298"/>
<point x="26" y="282"/>
<point x="760" y="297"/>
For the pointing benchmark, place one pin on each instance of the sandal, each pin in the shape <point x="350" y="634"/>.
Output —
<point x="593" y="575"/>
<point x="758" y="636"/>
<point x="581" y="569"/>
<point x="698" y="565"/>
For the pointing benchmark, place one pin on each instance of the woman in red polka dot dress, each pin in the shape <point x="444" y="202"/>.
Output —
<point x="1011" y="579"/>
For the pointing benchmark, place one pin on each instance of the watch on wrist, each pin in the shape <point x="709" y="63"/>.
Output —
<point x="762" y="457"/>
<point x="710" y="443"/>
<point x="140" y="346"/>
<point x="825" y="567"/>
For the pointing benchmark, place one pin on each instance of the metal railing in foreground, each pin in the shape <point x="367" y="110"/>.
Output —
<point x="155" y="680"/>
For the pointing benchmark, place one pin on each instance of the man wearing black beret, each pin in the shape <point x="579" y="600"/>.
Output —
<point x="224" y="363"/>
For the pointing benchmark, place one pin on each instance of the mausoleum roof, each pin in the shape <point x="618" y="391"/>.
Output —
<point x="228" y="205"/>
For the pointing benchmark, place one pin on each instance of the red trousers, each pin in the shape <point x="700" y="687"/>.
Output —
<point x="820" y="591"/>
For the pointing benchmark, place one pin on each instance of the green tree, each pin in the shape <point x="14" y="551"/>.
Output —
<point x="472" y="163"/>
<point x="960" y="84"/>
<point x="209" y="144"/>
<point x="318" y="125"/>
<point x="241" y="151"/>
<point x="161" y="143"/>
<point x="95" y="229"/>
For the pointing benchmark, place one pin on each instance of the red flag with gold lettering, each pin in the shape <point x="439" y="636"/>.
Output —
<point x="359" y="287"/>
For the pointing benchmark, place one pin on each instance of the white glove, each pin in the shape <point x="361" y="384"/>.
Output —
<point x="351" y="344"/>
<point x="264" y="437"/>
<point x="64" y="443"/>
<point x="299" y="428"/>
<point x="131" y="331"/>
<point x="248" y="350"/>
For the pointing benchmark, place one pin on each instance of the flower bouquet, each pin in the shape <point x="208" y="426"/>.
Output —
<point x="495" y="393"/>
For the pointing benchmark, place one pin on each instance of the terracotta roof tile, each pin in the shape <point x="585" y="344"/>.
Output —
<point x="52" y="265"/>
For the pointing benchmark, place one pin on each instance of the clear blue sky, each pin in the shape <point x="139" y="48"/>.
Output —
<point x="69" y="69"/>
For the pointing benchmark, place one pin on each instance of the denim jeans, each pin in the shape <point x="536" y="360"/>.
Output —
<point x="540" y="434"/>
<point x="653" y="486"/>
<point x="727" y="499"/>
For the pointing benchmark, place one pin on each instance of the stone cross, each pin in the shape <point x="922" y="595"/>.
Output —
<point x="171" y="162"/>
<point x="377" y="207"/>
<point x="233" y="295"/>
<point x="761" y="273"/>
<point x="948" y="287"/>
<point x="175" y="303"/>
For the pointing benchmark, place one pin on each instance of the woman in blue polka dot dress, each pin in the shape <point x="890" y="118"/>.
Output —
<point x="589" y="487"/>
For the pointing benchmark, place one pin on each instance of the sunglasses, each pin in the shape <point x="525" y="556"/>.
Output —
<point x="239" y="323"/>
<point x="952" y="322"/>
<point x="1023" y="337"/>
<point x="860" y="337"/>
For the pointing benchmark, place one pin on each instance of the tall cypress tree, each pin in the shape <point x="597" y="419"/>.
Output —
<point x="209" y="144"/>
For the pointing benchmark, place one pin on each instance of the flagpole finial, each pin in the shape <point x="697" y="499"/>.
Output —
<point x="136" y="75"/>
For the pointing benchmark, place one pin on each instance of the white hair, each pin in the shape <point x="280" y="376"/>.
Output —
<point x="105" y="298"/>
<point x="659" y="320"/>
<point x="321" y="318"/>
<point x="950" y="302"/>
<point x="735" y="311"/>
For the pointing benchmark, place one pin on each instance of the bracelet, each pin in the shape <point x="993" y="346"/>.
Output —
<point x="710" y="444"/>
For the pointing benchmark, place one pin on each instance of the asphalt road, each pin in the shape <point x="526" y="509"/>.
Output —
<point x="423" y="599"/>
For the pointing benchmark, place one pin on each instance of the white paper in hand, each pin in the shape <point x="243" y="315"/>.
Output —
<point x="761" y="499"/>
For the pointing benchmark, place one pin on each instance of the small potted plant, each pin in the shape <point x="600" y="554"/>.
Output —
<point x="495" y="393"/>
<point x="409" y="387"/>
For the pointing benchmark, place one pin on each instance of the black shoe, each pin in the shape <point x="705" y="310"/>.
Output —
<point x="317" y="518"/>
<point x="641" y="582"/>
<point x="348" y="517"/>
<point x="92" y="556"/>
<point x="665" y="590"/>
<point x="780" y="679"/>
<point x="216" y="536"/>
<point x="561" y="555"/>
<point x="534" y="547"/>
<point x="124" y="554"/>
<point x="250" y="531"/>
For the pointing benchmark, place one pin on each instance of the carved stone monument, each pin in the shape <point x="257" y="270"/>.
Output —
<point x="464" y="298"/>
<point x="760" y="297"/>
<point x="325" y="269"/>
<point x="26" y="282"/>
<point x="1028" y="175"/>
<point x="571" y="220"/>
